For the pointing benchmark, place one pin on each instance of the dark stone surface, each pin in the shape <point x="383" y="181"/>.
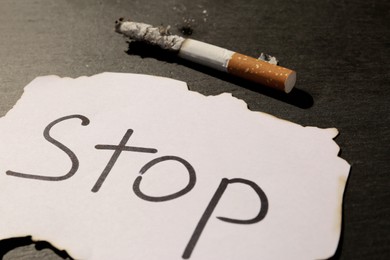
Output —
<point x="340" y="50"/>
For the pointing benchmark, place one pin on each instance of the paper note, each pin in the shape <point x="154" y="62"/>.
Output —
<point x="125" y="166"/>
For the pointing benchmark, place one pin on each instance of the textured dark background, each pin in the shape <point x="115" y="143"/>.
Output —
<point x="340" y="50"/>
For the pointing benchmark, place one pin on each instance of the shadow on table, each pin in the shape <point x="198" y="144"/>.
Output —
<point x="7" y="245"/>
<point x="296" y="97"/>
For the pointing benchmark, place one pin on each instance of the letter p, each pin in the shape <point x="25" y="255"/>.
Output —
<point x="212" y="205"/>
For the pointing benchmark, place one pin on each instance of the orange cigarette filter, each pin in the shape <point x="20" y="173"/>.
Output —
<point x="261" y="72"/>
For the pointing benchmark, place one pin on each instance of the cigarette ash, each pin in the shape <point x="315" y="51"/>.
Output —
<point x="190" y="20"/>
<point x="159" y="36"/>
<point x="187" y="27"/>
<point x="268" y="58"/>
<point x="186" y="30"/>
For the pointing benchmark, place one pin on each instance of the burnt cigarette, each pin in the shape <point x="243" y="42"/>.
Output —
<point x="209" y="55"/>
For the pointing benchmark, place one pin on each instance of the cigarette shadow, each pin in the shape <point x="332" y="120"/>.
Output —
<point x="296" y="97"/>
<point x="7" y="245"/>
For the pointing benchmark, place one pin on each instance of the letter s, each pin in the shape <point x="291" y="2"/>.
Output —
<point x="72" y="156"/>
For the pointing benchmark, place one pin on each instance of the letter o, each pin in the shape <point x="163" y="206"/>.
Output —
<point x="188" y="188"/>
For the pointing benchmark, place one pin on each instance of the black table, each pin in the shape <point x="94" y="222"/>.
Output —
<point x="340" y="50"/>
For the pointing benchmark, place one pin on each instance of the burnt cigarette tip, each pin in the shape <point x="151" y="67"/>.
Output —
<point x="118" y="23"/>
<point x="120" y="20"/>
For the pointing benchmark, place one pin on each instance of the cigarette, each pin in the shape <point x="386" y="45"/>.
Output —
<point x="209" y="55"/>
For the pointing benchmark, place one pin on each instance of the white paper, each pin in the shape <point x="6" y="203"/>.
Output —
<point x="297" y="168"/>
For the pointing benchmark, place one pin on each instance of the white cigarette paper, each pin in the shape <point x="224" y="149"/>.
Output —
<point x="215" y="57"/>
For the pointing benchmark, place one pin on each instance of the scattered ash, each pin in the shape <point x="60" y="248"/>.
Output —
<point x="186" y="30"/>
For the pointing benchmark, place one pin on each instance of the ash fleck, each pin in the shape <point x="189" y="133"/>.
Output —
<point x="187" y="27"/>
<point x="186" y="30"/>
<point x="268" y="58"/>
